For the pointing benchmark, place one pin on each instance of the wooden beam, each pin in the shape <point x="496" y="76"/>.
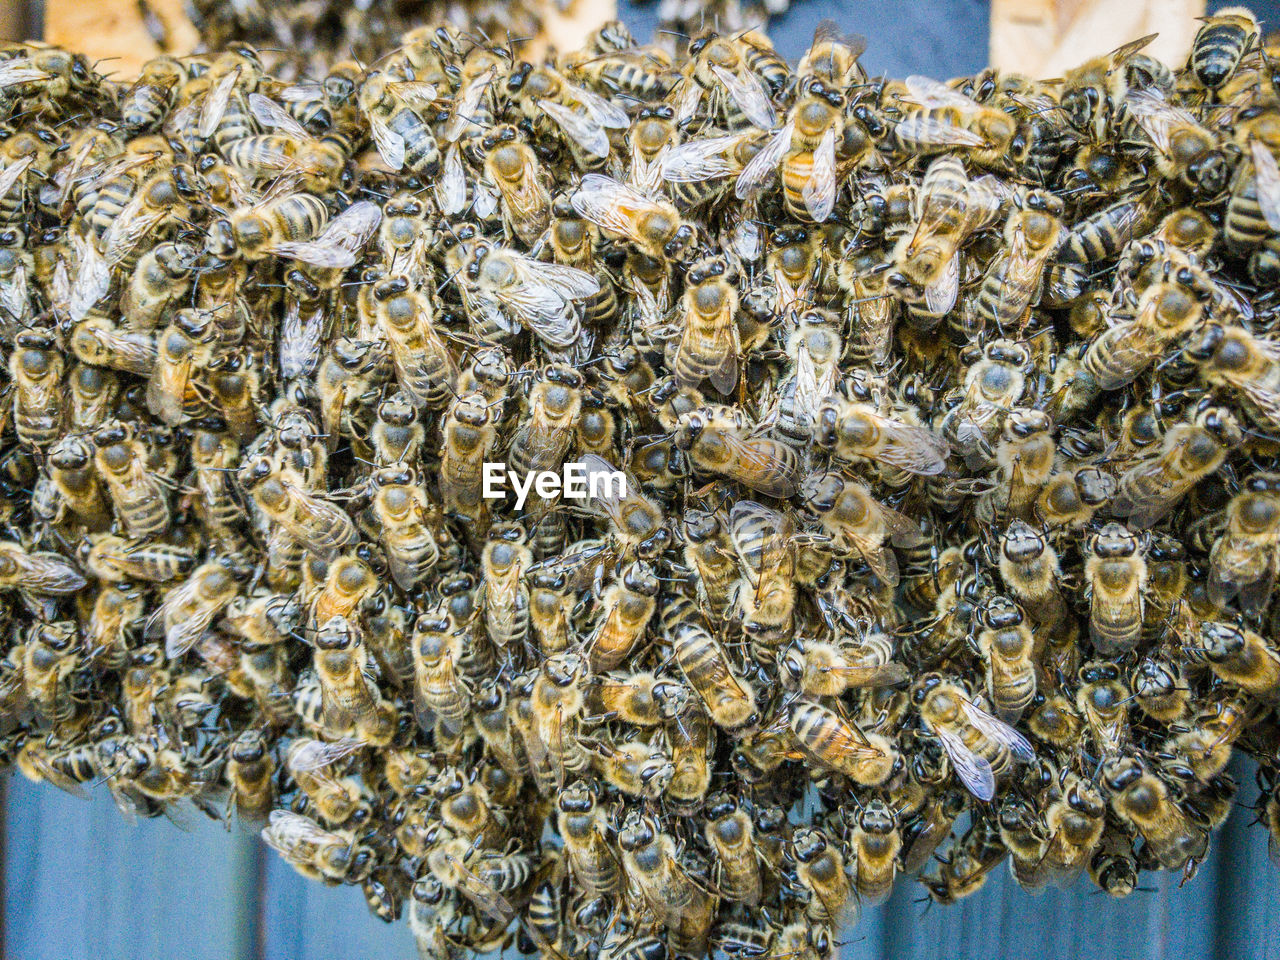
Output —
<point x="1045" y="38"/>
<point x="114" y="31"/>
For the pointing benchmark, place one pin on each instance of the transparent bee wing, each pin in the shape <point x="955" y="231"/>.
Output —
<point x="312" y="516"/>
<point x="602" y="489"/>
<point x="14" y="73"/>
<point x="1157" y="117"/>
<point x="46" y="573"/>
<point x="414" y="93"/>
<point x="451" y="190"/>
<point x="769" y="473"/>
<point x="15" y="294"/>
<point x="999" y="731"/>
<point x="300" y="339"/>
<point x="903" y="531"/>
<point x="973" y="771"/>
<point x="286" y="830"/>
<point x="14" y="171"/>
<point x="214" y="106"/>
<point x="341" y="239"/>
<point x="690" y="97"/>
<point x="605" y="202"/>
<point x="819" y="191"/>
<point x="272" y="116"/>
<point x="485" y="199"/>
<point x="304" y="92"/>
<point x="181" y="630"/>
<point x="764" y="164"/>
<point x="92" y="280"/>
<point x="698" y="160"/>
<point x="912" y="448"/>
<point x="749" y="95"/>
<point x="940" y="295"/>
<point x="583" y="130"/>
<point x="389" y="143"/>
<point x="932" y="93"/>
<point x="921" y="127"/>
<point x="133" y="223"/>
<point x="603" y="111"/>
<point x="317" y="754"/>
<point x="1266" y="176"/>
<point x="465" y="106"/>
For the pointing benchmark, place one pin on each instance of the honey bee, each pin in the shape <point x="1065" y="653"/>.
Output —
<point x="654" y="226"/>
<point x="1183" y="148"/>
<point x="321" y="527"/>
<point x="766" y="596"/>
<point x="556" y="702"/>
<point x="190" y="607"/>
<point x="867" y="758"/>
<point x="250" y="771"/>
<point x="1143" y="800"/>
<point x="114" y="559"/>
<point x="1007" y="646"/>
<point x="691" y="741"/>
<point x="627" y="606"/>
<point x="394" y="110"/>
<point x="352" y="703"/>
<point x="505" y="597"/>
<point x="1243" y="558"/>
<point x="326" y="855"/>
<point x="1188" y="453"/>
<point x="858" y="524"/>
<point x="588" y="852"/>
<point x="637" y="523"/>
<point x="36" y="369"/>
<point x="876" y="842"/>
<point x="820" y="868"/>
<point x="666" y="890"/>
<point x="729" y="832"/>
<point x="821" y="669"/>
<point x="978" y="745"/>
<point x="939" y="119"/>
<point x="72" y="471"/>
<point x="720" y="441"/>
<point x="705" y="665"/>
<point x="1029" y="567"/>
<point x="1239" y="656"/>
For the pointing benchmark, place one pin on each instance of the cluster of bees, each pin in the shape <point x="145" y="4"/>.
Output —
<point x="947" y="412"/>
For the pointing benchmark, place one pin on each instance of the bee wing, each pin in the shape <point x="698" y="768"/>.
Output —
<point x="300" y="339"/>
<point x="582" y="129"/>
<point x="465" y="106"/>
<point x="999" y="731"/>
<point x="273" y="116"/>
<point x="542" y="298"/>
<point x="940" y="295"/>
<point x="486" y="899"/>
<point x="14" y="73"/>
<point x="603" y="201"/>
<point x="819" y="191"/>
<point x="912" y="448"/>
<point x="180" y="632"/>
<point x="609" y="499"/>
<point x="314" y="512"/>
<point x="129" y="227"/>
<point x="903" y="531"/>
<point x="14" y="171"/>
<point x="764" y="164"/>
<point x="870" y="675"/>
<point x="389" y="143"/>
<point x="974" y="772"/>
<point x="214" y="107"/>
<point x="15" y="293"/>
<point x="603" y="111"/>
<point x="92" y="280"/>
<point x="750" y="96"/>
<point x="1157" y="116"/>
<point x="285" y="830"/>
<point x="305" y="92"/>
<point x="341" y="238"/>
<point x="696" y="160"/>
<point x="451" y="190"/>
<point x="55" y="776"/>
<point x="1266" y="175"/>
<point x="414" y="93"/>
<point x="933" y="93"/>
<point x="316" y="754"/>
<point x="46" y="573"/>
<point x="757" y="454"/>
<point x="690" y="97"/>
<point x="921" y="127"/>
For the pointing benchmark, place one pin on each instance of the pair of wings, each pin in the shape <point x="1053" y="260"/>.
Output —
<point x="541" y="297"/>
<point x="973" y="771"/>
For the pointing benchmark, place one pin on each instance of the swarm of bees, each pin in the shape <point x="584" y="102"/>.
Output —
<point x="948" y="414"/>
